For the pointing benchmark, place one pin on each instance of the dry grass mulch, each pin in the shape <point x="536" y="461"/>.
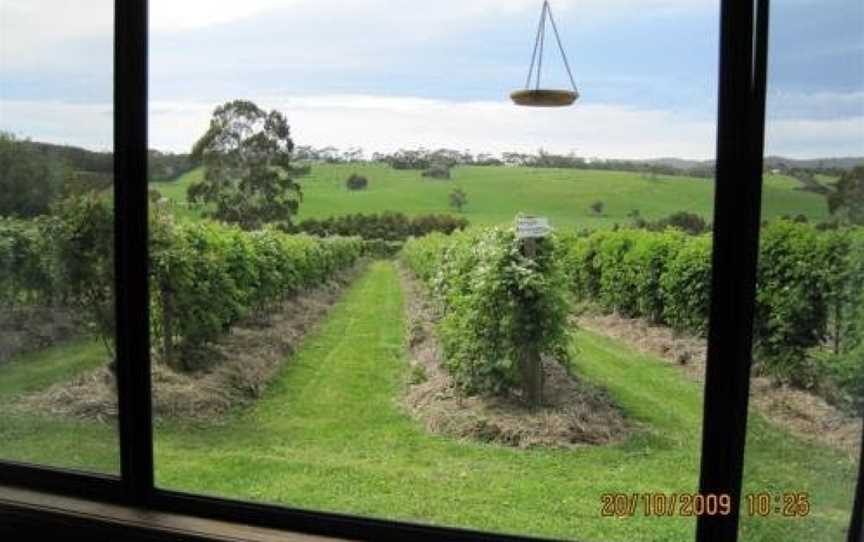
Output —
<point x="574" y="413"/>
<point x="239" y="367"/>
<point x="803" y="414"/>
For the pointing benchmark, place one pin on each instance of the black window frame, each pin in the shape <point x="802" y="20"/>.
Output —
<point x="740" y="146"/>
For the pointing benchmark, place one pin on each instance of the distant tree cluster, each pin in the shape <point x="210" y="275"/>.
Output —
<point x="649" y="168"/>
<point x="424" y="158"/>
<point x="29" y="180"/>
<point x="385" y="226"/>
<point x="846" y="199"/>
<point x="76" y="158"/>
<point x="329" y="155"/>
<point x="167" y="166"/>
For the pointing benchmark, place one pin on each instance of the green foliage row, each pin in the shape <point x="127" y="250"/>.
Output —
<point x="495" y="301"/>
<point x="810" y="289"/>
<point x="62" y="259"/>
<point x="206" y="276"/>
<point x="386" y="226"/>
<point x="662" y="276"/>
<point x="811" y="293"/>
<point x="25" y="262"/>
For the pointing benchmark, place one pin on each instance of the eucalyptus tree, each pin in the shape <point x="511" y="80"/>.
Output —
<point x="246" y="154"/>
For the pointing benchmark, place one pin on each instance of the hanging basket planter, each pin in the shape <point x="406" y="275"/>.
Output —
<point x="544" y="98"/>
<point x="539" y="97"/>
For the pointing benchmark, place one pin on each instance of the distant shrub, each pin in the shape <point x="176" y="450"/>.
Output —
<point x="597" y="207"/>
<point x="458" y="199"/>
<point x="357" y="182"/>
<point x="687" y="222"/>
<point x="437" y="171"/>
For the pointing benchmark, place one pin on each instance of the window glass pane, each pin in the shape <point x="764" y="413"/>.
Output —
<point x="57" y="392"/>
<point x="289" y="370"/>
<point x="806" y="389"/>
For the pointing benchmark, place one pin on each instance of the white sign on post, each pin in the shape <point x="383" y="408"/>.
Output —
<point x="532" y="227"/>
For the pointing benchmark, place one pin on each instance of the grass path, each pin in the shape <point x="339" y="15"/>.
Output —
<point x="329" y="434"/>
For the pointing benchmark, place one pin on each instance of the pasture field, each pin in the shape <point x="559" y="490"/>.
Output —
<point x="329" y="434"/>
<point x="497" y="194"/>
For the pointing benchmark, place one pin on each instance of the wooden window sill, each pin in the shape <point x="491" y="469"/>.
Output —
<point x="26" y="512"/>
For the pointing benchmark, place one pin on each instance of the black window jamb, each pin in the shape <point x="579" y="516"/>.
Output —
<point x="130" y="252"/>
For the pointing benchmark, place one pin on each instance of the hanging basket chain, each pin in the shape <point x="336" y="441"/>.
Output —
<point x="536" y="45"/>
<point x="542" y="44"/>
<point x="539" y="43"/>
<point x="561" y="48"/>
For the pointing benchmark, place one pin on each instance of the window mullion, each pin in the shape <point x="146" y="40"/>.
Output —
<point x="741" y="124"/>
<point x="131" y="258"/>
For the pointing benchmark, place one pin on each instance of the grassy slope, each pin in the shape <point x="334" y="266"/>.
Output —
<point x="329" y="435"/>
<point x="496" y="194"/>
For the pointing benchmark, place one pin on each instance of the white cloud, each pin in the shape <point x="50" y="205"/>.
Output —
<point x="824" y="104"/>
<point x="378" y="123"/>
<point x="83" y="125"/>
<point x="384" y="123"/>
<point x="33" y="34"/>
<point x="185" y="14"/>
<point x="798" y="138"/>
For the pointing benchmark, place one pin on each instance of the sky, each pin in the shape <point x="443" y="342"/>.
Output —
<point x="386" y="74"/>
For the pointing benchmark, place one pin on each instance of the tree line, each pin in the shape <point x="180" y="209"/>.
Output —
<point x="34" y="175"/>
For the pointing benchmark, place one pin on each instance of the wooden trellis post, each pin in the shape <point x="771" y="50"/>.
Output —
<point x="528" y="230"/>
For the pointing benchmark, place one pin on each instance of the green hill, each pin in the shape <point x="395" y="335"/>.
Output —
<point x="497" y="194"/>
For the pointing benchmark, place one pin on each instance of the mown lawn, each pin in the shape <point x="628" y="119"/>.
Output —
<point x="67" y="443"/>
<point x="329" y="434"/>
<point x="497" y="194"/>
